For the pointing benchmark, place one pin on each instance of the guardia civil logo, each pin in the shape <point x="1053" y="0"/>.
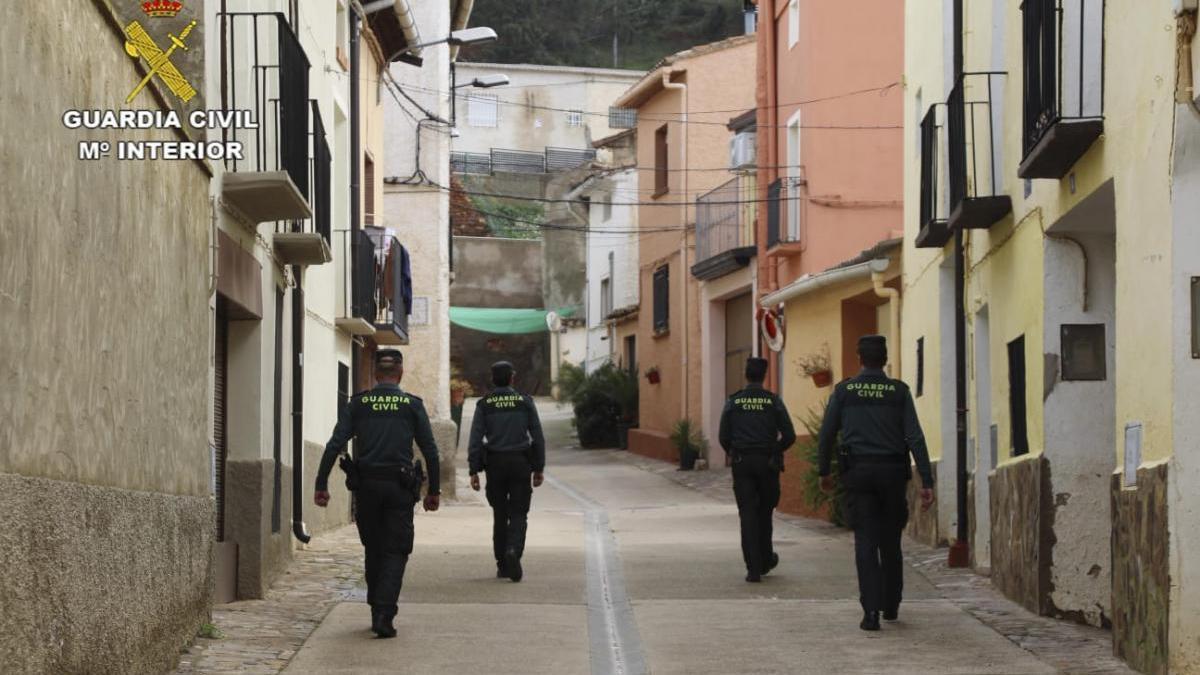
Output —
<point x="140" y="44"/>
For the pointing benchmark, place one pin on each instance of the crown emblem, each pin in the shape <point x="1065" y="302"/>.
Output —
<point x="164" y="8"/>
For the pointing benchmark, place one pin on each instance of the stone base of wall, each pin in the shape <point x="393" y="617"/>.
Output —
<point x="1021" y="537"/>
<point x="263" y="553"/>
<point x="1140" y="572"/>
<point x="337" y="513"/>
<point x="99" y="579"/>
<point x="652" y="444"/>
<point x="922" y="525"/>
<point x="445" y="432"/>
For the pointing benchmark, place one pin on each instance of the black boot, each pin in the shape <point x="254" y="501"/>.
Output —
<point x="870" y="621"/>
<point x="512" y="565"/>
<point x="772" y="563"/>
<point x="891" y="614"/>
<point x="376" y="616"/>
<point x="386" y="629"/>
<point x="753" y="577"/>
<point x="501" y="571"/>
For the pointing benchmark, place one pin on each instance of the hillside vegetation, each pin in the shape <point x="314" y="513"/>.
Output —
<point x="581" y="32"/>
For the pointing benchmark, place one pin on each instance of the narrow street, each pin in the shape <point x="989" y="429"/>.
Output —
<point x="630" y="571"/>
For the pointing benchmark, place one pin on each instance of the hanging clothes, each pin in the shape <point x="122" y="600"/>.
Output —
<point x="406" y="285"/>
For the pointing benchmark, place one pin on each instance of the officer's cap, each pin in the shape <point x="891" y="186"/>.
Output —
<point x="872" y="346"/>
<point x="756" y="369"/>
<point x="389" y="358"/>
<point x="502" y="370"/>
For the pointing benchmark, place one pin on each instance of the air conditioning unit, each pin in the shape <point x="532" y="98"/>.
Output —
<point x="742" y="150"/>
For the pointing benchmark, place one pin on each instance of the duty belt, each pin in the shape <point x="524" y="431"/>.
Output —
<point x="385" y="472"/>
<point x="754" y="449"/>
<point x="891" y="458"/>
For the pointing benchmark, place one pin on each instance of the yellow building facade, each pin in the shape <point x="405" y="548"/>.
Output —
<point x="1059" y="151"/>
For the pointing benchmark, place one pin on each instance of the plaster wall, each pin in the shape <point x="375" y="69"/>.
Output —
<point x="501" y="272"/>
<point x="532" y="109"/>
<point x="611" y="238"/>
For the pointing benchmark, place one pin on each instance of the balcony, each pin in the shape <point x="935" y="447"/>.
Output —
<point x="787" y="205"/>
<point x="376" y="288"/>
<point x="265" y="70"/>
<point x="1064" y="84"/>
<point x="725" y="218"/>
<point x="978" y="198"/>
<point x="306" y="242"/>
<point x="935" y="205"/>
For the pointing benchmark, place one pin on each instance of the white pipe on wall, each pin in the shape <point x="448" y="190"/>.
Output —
<point x="878" y="269"/>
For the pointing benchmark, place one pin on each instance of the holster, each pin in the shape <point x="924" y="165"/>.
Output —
<point x="418" y="479"/>
<point x="347" y="464"/>
<point x="845" y="460"/>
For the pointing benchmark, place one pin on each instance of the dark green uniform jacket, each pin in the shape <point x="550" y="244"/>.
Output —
<point x="755" y="421"/>
<point x="876" y="417"/>
<point x="384" y="422"/>
<point x="506" y="421"/>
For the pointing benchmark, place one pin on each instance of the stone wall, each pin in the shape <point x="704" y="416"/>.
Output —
<point x="263" y="554"/>
<point x="98" y="579"/>
<point x="1020" y="535"/>
<point x="1140" y="572"/>
<point x="922" y="525"/>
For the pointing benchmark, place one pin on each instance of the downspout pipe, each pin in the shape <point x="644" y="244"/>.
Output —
<point x="299" y="529"/>
<point x="960" y="550"/>
<point x="879" y="268"/>
<point x="683" y="272"/>
<point x="355" y="173"/>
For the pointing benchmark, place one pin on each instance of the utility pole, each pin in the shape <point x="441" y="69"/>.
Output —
<point x="960" y="550"/>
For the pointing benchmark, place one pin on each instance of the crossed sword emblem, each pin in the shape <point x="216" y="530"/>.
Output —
<point x="139" y="43"/>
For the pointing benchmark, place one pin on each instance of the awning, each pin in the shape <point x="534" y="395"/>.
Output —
<point x="504" y="321"/>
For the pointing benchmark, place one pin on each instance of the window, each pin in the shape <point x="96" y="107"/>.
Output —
<point x="483" y="110"/>
<point x="631" y="354"/>
<point x="661" y="162"/>
<point x="574" y="118"/>
<point x="1083" y="353"/>
<point x="662" y="300"/>
<point x="622" y="118"/>
<point x="920" y="366"/>
<point x="792" y="189"/>
<point x="793" y="23"/>
<point x="368" y="190"/>
<point x="1016" y="396"/>
<point x="606" y="207"/>
<point x="606" y="300"/>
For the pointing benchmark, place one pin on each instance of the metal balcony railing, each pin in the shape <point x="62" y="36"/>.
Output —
<point x="265" y="70"/>
<point x="978" y="197"/>
<point x="520" y="161"/>
<point x="786" y="210"/>
<point x="375" y="288"/>
<point x="318" y="190"/>
<point x="725" y="217"/>
<point x="1063" y="83"/>
<point x="934" y="203"/>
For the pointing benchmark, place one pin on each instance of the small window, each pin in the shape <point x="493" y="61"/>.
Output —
<point x="606" y="208"/>
<point x="661" y="162"/>
<point x="483" y="110"/>
<point x="920" y="366"/>
<point x="793" y="23"/>
<point x="606" y="300"/>
<point x="622" y="118"/>
<point x="368" y="190"/>
<point x="574" y="118"/>
<point x="1016" y="397"/>
<point x="631" y="354"/>
<point x="1083" y="352"/>
<point x="662" y="299"/>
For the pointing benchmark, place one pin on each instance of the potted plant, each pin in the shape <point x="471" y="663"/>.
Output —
<point x="810" y="480"/>
<point x="689" y="441"/>
<point x="653" y="376"/>
<point x="625" y="388"/>
<point x="460" y="389"/>
<point x="816" y="366"/>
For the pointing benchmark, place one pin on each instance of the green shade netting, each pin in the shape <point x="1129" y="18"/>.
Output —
<point x="504" y="321"/>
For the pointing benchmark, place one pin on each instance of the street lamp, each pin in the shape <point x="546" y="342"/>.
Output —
<point x="485" y="82"/>
<point x="468" y="36"/>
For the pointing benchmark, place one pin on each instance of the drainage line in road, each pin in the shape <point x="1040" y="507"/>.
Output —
<point x="616" y="646"/>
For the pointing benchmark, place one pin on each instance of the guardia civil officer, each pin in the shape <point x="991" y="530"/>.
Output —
<point x="384" y="422"/>
<point x="755" y="432"/>
<point x="879" y="429"/>
<point x="507" y="443"/>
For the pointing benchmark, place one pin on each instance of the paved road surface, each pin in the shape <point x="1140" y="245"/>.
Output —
<point x="628" y="572"/>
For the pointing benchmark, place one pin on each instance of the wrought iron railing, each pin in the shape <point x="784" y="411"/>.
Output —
<point x="786" y="209"/>
<point x="934" y="205"/>
<point x="264" y="70"/>
<point x="520" y="161"/>
<point x="974" y="123"/>
<point x="1064" y="64"/>
<point x="374" y="286"/>
<point x="725" y="217"/>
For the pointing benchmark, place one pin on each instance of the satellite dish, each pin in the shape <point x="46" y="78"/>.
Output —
<point x="553" y="322"/>
<point x="771" y="328"/>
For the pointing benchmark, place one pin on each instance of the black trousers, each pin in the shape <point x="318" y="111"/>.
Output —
<point x="877" y="506"/>
<point x="756" y="489"/>
<point x="509" y="491"/>
<point x="384" y="515"/>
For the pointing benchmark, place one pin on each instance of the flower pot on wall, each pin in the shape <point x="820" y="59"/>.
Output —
<point x="822" y="378"/>
<point x="653" y="377"/>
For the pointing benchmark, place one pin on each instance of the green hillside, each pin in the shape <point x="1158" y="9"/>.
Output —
<point x="581" y="32"/>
